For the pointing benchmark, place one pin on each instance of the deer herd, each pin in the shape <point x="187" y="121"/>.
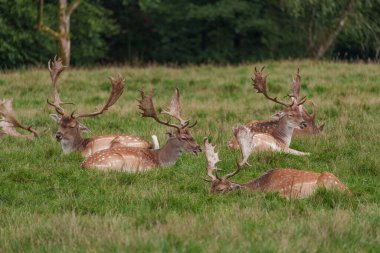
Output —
<point x="129" y="153"/>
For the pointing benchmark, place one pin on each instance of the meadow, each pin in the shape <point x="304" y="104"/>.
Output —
<point x="49" y="204"/>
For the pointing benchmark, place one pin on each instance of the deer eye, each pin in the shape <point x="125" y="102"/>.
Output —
<point x="184" y="138"/>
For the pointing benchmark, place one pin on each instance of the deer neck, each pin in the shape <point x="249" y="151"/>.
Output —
<point x="169" y="153"/>
<point x="78" y="143"/>
<point x="283" y="132"/>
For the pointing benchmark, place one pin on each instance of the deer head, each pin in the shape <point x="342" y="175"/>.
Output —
<point x="310" y="127"/>
<point x="293" y="113"/>
<point x="180" y="137"/>
<point x="223" y="184"/>
<point x="69" y="127"/>
<point x="9" y="122"/>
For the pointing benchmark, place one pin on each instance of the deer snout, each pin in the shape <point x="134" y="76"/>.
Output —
<point x="197" y="150"/>
<point x="58" y="136"/>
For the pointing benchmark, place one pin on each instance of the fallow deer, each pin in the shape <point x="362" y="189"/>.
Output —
<point x="289" y="183"/>
<point x="310" y="128"/>
<point x="138" y="159"/>
<point x="9" y="122"/>
<point x="69" y="131"/>
<point x="276" y="134"/>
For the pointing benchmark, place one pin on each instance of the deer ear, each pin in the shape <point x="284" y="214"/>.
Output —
<point x="83" y="128"/>
<point x="278" y="115"/>
<point x="321" y="127"/>
<point x="55" y="118"/>
<point x="170" y="134"/>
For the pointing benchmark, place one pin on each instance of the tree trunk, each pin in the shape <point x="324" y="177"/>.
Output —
<point x="63" y="35"/>
<point x="319" y="49"/>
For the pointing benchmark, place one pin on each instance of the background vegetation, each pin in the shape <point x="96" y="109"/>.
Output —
<point x="47" y="203"/>
<point x="193" y="31"/>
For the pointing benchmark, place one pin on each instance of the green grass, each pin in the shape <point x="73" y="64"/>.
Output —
<point x="48" y="203"/>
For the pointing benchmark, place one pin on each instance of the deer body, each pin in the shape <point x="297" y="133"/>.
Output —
<point x="276" y="134"/>
<point x="289" y="183"/>
<point x="89" y="146"/>
<point x="130" y="159"/>
<point x="292" y="183"/>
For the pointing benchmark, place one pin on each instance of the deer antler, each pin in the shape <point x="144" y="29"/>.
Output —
<point x="9" y="121"/>
<point x="212" y="159"/>
<point x="245" y="138"/>
<point x="55" y="69"/>
<point x="175" y="109"/>
<point x="148" y="110"/>
<point x="116" y="92"/>
<point x="260" y="85"/>
<point x="296" y="85"/>
<point x="296" y="88"/>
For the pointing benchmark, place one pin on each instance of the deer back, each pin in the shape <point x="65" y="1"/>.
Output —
<point x="127" y="159"/>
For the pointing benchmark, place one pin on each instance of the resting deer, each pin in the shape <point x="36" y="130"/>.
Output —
<point x="9" y="122"/>
<point x="139" y="159"/>
<point x="289" y="183"/>
<point x="69" y="131"/>
<point x="310" y="127"/>
<point x="276" y="134"/>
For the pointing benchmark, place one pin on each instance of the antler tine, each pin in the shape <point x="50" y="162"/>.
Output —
<point x="116" y="92"/>
<point x="260" y="85"/>
<point x="296" y="85"/>
<point x="212" y="159"/>
<point x="314" y="110"/>
<point x="147" y="108"/>
<point x="6" y="111"/>
<point x="306" y="113"/>
<point x="302" y="100"/>
<point x="56" y="68"/>
<point x="238" y="168"/>
<point x="175" y="108"/>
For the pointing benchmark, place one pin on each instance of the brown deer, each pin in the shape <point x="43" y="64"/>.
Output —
<point x="69" y="131"/>
<point x="276" y="134"/>
<point x="138" y="159"/>
<point x="9" y="122"/>
<point x="289" y="183"/>
<point x="310" y="127"/>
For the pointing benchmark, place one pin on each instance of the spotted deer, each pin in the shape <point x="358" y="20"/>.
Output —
<point x="9" y="122"/>
<point x="288" y="183"/>
<point x="309" y="128"/>
<point x="275" y="134"/>
<point x="129" y="159"/>
<point x="69" y="131"/>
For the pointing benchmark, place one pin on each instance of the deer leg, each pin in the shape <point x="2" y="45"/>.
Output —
<point x="294" y="152"/>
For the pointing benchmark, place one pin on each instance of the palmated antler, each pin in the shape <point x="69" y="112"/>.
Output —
<point x="244" y="137"/>
<point x="116" y="92"/>
<point x="175" y="109"/>
<point x="260" y="85"/>
<point x="212" y="159"/>
<point x="296" y="88"/>
<point x="55" y="69"/>
<point x="9" y="122"/>
<point x="147" y="109"/>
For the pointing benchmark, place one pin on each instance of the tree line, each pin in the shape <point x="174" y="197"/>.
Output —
<point x="90" y="32"/>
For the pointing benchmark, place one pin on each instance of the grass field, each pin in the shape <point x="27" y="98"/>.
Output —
<point x="49" y="204"/>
